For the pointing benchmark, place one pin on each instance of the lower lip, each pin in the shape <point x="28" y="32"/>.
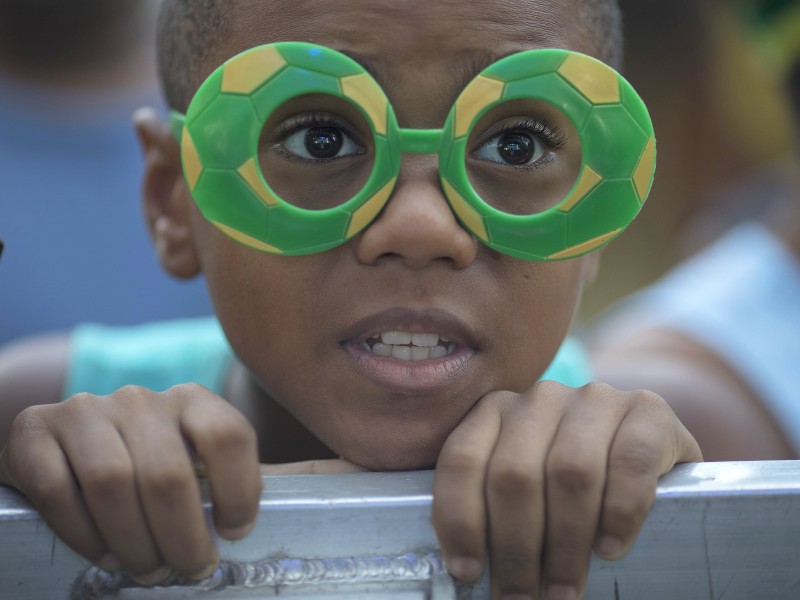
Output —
<point x="411" y="377"/>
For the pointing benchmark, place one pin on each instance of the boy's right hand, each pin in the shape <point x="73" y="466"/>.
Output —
<point x="114" y="476"/>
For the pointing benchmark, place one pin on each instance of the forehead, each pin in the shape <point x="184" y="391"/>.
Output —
<point x="409" y="32"/>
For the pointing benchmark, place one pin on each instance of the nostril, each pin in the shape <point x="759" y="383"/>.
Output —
<point x="417" y="226"/>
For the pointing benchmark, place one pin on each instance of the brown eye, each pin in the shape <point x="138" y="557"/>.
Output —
<point x="513" y="147"/>
<point x="516" y="148"/>
<point x="323" y="142"/>
<point x="320" y="143"/>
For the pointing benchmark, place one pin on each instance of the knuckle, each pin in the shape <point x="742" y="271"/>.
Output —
<point x="654" y="404"/>
<point x="189" y="389"/>
<point x="571" y="475"/>
<point x="597" y="391"/>
<point x="77" y="404"/>
<point x="134" y="397"/>
<point x="500" y="397"/>
<point x="637" y="460"/>
<point x="105" y="476"/>
<point x="168" y="481"/>
<point x="134" y="391"/>
<point x="230" y="432"/>
<point x="460" y="460"/>
<point x="511" y="480"/>
<point x="630" y="510"/>
<point x="30" y="422"/>
<point x="45" y="492"/>
<point x="549" y="386"/>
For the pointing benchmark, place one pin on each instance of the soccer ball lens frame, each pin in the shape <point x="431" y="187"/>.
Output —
<point x="219" y="137"/>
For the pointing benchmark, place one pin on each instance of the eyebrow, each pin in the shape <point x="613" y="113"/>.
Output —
<point x="374" y="68"/>
<point x="481" y="62"/>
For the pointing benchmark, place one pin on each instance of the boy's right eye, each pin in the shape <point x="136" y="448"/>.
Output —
<point x="321" y="143"/>
<point x="315" y="158"/>
<point x="316" y="138"/>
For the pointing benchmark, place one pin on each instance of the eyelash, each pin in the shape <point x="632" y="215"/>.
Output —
<point x="307" y="120"/>
<point x="548" y="133"/>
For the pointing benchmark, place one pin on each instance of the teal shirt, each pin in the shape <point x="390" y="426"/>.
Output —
<point x="163" y="354"/>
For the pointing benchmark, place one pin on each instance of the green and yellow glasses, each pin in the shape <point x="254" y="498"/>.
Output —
<point x="293" y="148"/>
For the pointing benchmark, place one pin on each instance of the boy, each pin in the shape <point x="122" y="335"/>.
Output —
<point x="537" y="473"/>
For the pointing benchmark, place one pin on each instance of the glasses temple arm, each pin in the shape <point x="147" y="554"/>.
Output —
<point x="176" y="121"/>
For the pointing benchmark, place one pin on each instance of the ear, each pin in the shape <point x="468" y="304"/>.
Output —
<point x="165" y="197"/>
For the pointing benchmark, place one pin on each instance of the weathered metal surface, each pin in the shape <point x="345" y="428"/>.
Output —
<point x="717" y="530"/>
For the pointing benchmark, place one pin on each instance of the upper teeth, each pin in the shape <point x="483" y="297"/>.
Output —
<point x="405" y="338"/>
<point x="410" y="346"/>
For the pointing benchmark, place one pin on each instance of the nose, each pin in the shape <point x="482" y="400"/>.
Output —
<point x="417" y="225"/>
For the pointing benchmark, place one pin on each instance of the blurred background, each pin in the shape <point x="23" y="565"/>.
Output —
<point x="723" y="128"/>
<point x="72" y="72"/>
<point x="716" y="329"/>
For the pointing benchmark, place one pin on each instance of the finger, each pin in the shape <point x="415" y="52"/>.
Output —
<point x="103" y="467"/>
<point x="226" y="444"/>
<point x="38" y="468"/>
<point x="516" y="493"/>
<point x="644" y="448"/>
<point x="170" y="493"/>
<point x="312" y="467"/>
<point x="459" y="507"/>
<point x="576" y="475"/>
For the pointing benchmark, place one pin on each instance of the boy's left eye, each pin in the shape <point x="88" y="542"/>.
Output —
<point x="320" y="142"/>
<point x="514" y="147"/>
<point x="517" y="148"/>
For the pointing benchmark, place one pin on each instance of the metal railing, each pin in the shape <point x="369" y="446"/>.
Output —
<point x="717" y="531"/>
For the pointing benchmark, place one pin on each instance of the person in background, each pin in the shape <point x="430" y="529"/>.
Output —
<point x="719" y="336"/>
<point x="71" y="75"/>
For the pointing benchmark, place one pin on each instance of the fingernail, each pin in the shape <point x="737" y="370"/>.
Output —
<point x="609" y="547"/>
<point x="235" y="533"/>
<point x="561" y="592"/>
<point x="108" y="563"/>
<point x="154" y="578"/>
<point x="205" y="573"/>
<point x="465" y="569"/>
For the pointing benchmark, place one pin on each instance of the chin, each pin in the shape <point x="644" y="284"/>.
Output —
<point x="388" y="456"/>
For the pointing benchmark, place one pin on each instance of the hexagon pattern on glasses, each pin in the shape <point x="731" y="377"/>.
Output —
<point x="221" y="135"/>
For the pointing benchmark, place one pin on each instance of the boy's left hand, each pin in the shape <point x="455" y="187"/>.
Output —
<point x="541" y="478"/>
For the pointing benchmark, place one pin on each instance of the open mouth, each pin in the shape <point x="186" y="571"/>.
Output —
<point x="411" y="347"/>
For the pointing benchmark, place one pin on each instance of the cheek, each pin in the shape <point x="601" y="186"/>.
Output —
<point x="545" y="297"/>
<point x="262" y="301"/>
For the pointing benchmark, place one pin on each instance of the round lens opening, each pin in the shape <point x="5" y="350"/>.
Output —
<point x="316" y="151"/>
<point x="523" y="156"/>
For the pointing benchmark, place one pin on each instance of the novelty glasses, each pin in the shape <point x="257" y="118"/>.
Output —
<point x="293" y="148"/>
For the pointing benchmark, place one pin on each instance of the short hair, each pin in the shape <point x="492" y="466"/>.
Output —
<point x="189" y="29"/>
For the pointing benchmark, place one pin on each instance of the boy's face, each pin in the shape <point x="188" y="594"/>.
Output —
<point x="306" y="326"/>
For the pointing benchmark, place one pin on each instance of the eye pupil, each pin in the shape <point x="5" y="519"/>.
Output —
<point x="323" y="142"/>
<point x="516" y="148"/>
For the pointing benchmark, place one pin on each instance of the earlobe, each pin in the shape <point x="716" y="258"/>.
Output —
<point x="165" y="198"/>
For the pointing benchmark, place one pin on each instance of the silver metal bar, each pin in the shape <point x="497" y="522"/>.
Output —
<point x="717" y="530"/>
